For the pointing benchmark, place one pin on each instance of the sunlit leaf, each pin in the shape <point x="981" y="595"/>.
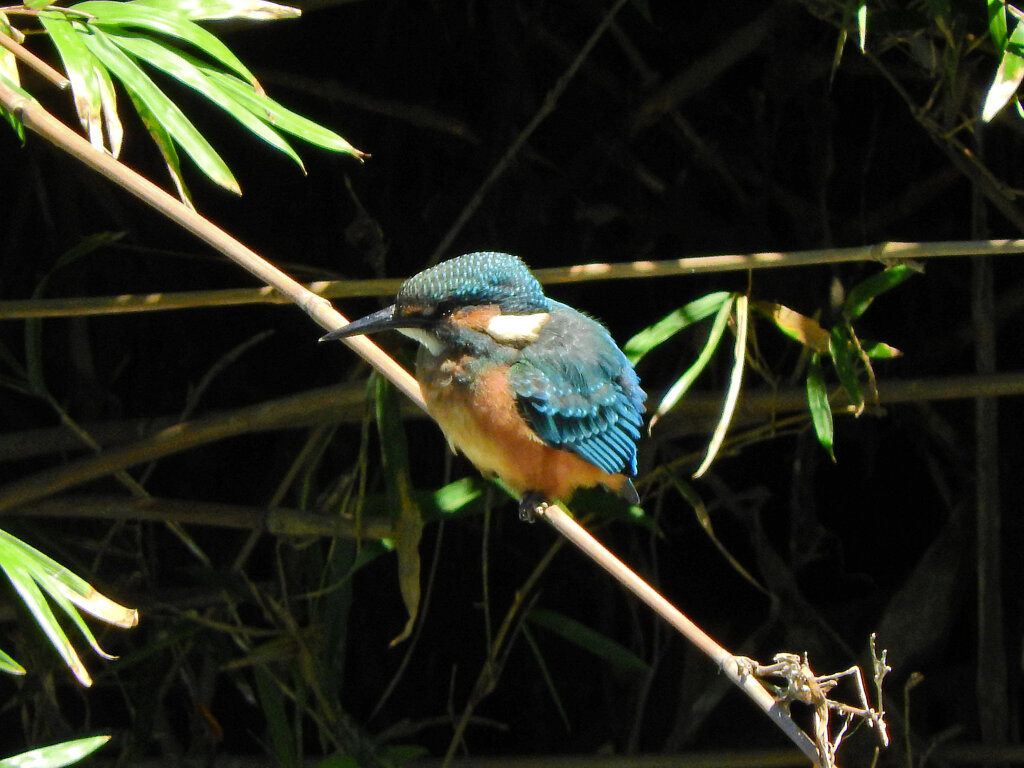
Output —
<point x="184" y="68"/>
<point x="454" y="496"/>
<point x="683" y="384"/>
<point x="588" y="639"/>
<point x="862" y="25"/>
<point x="997" y="23"/>
<point x="862" y="294"/>
<point x="732" y="394"/>
<point x="9" y="665"/>
<point x="670" y="325"/>
<point x="879" y="350"/>
<point x="254" y="10"/>
<point x="844" y="360"/>
<point x="36" y="604"/>
<point x="56" y="755"/>
<point x="80" y="67"/>
<point x="179" y="127"/>
<point x="800" y="328"/>
<point x="113" y="15"/>
<point x="1008" y="75"/>
<point x="165" y="144"/>
<point x="281" y="118"/>
<point x="817" y="402"/>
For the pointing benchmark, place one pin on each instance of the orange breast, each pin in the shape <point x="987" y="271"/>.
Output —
<point x="479" y="417"/>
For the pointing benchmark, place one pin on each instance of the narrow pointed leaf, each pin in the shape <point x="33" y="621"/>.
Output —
<point x="80" y="67"/>
<point x="174" y="122"/>
<point x="108" y="104"/>
<point x="282" y="118"/>
<point x="165" y="144"/>
<point x="817" y="402"/>
<point x="254" y="10"/>
<point x="879" y="350"/>
<point x="670" y="325"/>
<point x="866" y="291"/>
<point x="184" y="68"/>
<point x="36" y="604"/>
<point x="733" y="393"/>
<point x="1008" y="76"/>
<point x="56" y="755"/>
<point x="111" y="15"/>
<point x="683" y="384"/>
<point x="862" y="26"/>
<point x="9" y="665"/>
<point x="843" y="352"/>
<point x="997" y="23"/>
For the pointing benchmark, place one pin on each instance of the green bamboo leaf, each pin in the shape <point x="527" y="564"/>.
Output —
<point x="109" y="13"/>
<point x="682" y="386"/>
<point x="670" y="325"/>
<point x="254" y="10"/>
<point x="165" y="111"/>
<point x="36" y="604"/>
<point x="165" y="144"/>
<point x="862" y="25"/>
<point x="56" y="755"/>
<point x="843" y="352"/>
<point x="817" y="402"/>
<point x="455" y="496"/>
<point x="405" y="511"/>
<point x="732" y="394"/>
<point x="80" y="67"/>
<point x="997" y="23"/>
<point x="57" y="580"/>
<point x="185" y="69"/>
<point x="862" y="294"/>
<point x="588" y="639"/>
<point x="9" y="665"/>
<point x="1008" y="76"/>
<point x="108" y="104"/>
<point x="281" y="118"/>
<point x="879" y="350"/>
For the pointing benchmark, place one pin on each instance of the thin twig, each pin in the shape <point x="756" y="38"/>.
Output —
<point x="33" y="62"/>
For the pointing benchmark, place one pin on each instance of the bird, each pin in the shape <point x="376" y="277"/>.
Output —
<point x="529" y="389"/>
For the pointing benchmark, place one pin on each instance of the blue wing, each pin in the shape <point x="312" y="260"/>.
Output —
<point x="579" y="392"/>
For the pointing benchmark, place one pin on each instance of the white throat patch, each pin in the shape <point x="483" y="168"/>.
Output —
<point x="516" y="330"/>
<point x="428" y="340"/>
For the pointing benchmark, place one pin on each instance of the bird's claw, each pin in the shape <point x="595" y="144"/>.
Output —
<point x="532" y="504"/>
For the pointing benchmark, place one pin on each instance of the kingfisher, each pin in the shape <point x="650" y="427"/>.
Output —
<point x="530" y="390"/>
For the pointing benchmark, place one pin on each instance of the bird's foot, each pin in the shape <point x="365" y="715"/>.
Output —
<point x="532" y="504"/>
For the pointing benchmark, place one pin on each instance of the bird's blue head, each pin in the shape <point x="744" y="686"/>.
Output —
<point x="493" y="294"/>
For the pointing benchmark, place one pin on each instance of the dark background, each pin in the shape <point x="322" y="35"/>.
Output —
<point x="691" y="129"/>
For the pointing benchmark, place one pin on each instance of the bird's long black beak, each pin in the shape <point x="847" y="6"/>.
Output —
<point x="384" y="320"/>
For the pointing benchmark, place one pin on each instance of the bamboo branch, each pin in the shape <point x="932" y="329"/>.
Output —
<point x="885" y="253"/>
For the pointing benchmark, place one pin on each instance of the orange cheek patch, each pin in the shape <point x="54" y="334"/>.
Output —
<point x="476" y="318"/>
